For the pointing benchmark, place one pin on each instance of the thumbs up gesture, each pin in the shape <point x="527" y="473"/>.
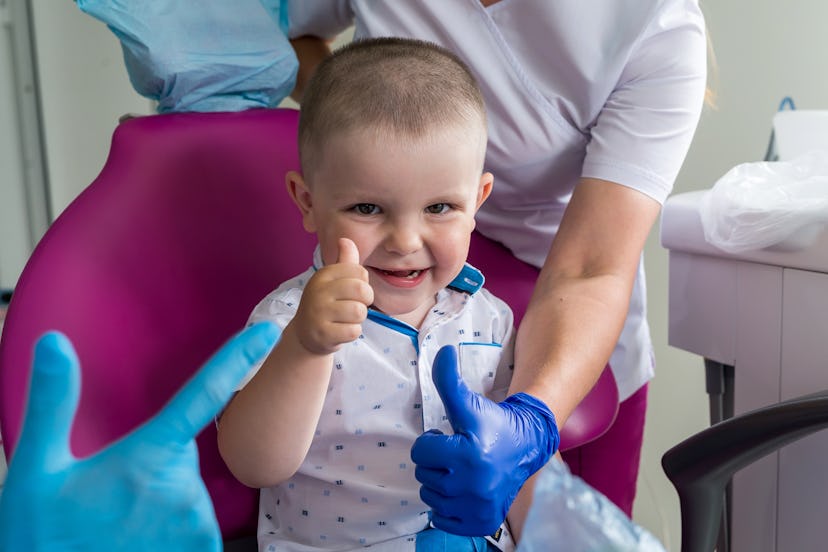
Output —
<point x="334" y="303"/>
<point x="470" y="479"/>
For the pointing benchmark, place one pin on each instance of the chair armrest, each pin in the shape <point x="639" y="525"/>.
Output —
<point x="700" y="466"/>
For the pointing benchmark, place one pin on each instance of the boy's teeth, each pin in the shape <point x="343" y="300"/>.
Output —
<point x="404" y="273"/>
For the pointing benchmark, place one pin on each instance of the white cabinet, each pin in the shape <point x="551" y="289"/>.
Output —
<point x="803" y="471"/>
<point x="766" y="314"/>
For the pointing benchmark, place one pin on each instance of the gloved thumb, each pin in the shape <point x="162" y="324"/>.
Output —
<point x="348" y="252"/>
<point x="461" y="403"/>
<point x="211" y="387"/>
<point x="53" y="401"/>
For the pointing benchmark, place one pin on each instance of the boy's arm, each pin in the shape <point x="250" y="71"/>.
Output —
<point x="267" y="429"/>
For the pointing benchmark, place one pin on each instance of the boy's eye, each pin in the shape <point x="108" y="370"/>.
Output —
<point x="366" y="209"/>
<point x="438" y="208"/>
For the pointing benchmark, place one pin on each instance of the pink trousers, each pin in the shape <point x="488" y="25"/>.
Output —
<point x="610" y="463"/>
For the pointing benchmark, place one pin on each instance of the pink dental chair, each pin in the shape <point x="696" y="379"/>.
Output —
<point x="163" y="257"/>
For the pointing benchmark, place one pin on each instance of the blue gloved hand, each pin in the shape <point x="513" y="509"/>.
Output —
<point x="143" y="492"/>
<point x="210" y="55"/>
<point x="470" y="479"/>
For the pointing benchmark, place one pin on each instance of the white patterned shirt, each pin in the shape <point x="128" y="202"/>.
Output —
<point x="356" y="486"/>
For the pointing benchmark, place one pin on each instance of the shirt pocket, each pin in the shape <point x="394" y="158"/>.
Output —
<point x="479" y="364"/>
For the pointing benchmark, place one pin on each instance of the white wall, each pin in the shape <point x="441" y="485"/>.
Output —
<point x="765" y="49"/>
<point x="84" y="89"/>
<point x="13" y="210"/>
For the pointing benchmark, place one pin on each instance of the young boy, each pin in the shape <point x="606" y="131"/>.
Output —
<point x="392" y="137"/>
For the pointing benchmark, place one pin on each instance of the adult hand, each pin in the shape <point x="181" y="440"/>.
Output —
<point x="470" y="479"/>
<point x="143" y="492"/>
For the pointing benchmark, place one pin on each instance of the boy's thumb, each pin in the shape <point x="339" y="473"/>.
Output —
<point x="348" y="252"/>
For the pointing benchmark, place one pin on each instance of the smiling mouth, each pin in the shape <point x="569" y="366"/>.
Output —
<point x="409" y="274"/>
<point x="402" y="279"/>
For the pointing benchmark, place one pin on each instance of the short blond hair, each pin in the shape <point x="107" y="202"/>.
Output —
<point x="404" y="86"/>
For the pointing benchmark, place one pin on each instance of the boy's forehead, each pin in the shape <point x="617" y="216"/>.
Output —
<point x="348" y="151"/>
<point x="379" y="137"/>
<point x="430" y="129"/>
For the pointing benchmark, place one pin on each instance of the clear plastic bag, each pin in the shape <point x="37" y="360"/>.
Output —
<point x="780" y="205"/>
<point x="211" y="55"/>
<point x="567" y="514"/>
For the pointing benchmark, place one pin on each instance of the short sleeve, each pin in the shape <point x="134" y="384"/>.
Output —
<point x="321" y="18"/>
<point x="642" y="135"/>
<point x="278" y="307"/>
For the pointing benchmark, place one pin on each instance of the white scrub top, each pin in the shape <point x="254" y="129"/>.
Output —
<point x="608" y="89"/>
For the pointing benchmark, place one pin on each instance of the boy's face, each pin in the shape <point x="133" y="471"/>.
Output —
<point x="407" y="204"/>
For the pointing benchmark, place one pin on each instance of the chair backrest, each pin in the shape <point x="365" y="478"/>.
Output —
<point x="163" y="257"/>
<point x="153" y="267"/>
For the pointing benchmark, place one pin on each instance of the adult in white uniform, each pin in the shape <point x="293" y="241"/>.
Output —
<point x="592" y="107"/>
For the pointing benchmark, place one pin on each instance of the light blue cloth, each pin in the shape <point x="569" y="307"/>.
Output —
<point x="210" y="55"/>
<point x="567" y="514"/>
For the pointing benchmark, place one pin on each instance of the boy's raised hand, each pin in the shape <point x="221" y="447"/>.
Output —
<point x="348" y="252"/>
<point x="335" y="303"/>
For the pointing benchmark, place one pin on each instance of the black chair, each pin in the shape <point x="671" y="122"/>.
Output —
<point x="701" y="466"/>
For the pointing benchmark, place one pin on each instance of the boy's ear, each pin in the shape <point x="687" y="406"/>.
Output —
<point x="485" y="188"/>
<point x="301" y="196"/>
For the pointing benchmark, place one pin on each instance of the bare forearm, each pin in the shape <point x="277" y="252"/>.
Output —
<point x="563" y="343"/>
<point x="310" y="50"/>
<point x="582" y="296"/>
<point x="268" y="427"/>
<point x="266" y="430"/>
<point x="520" y="508"/>
<point x="566" y="338"/>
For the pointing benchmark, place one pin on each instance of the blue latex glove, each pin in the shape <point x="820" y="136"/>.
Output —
<point x="470" y="479"/>
<point x="143" y="492"/>
<point x="210" y="55"/>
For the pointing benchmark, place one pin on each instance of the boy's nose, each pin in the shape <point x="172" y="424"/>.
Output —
<point x="404" y="239"/>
